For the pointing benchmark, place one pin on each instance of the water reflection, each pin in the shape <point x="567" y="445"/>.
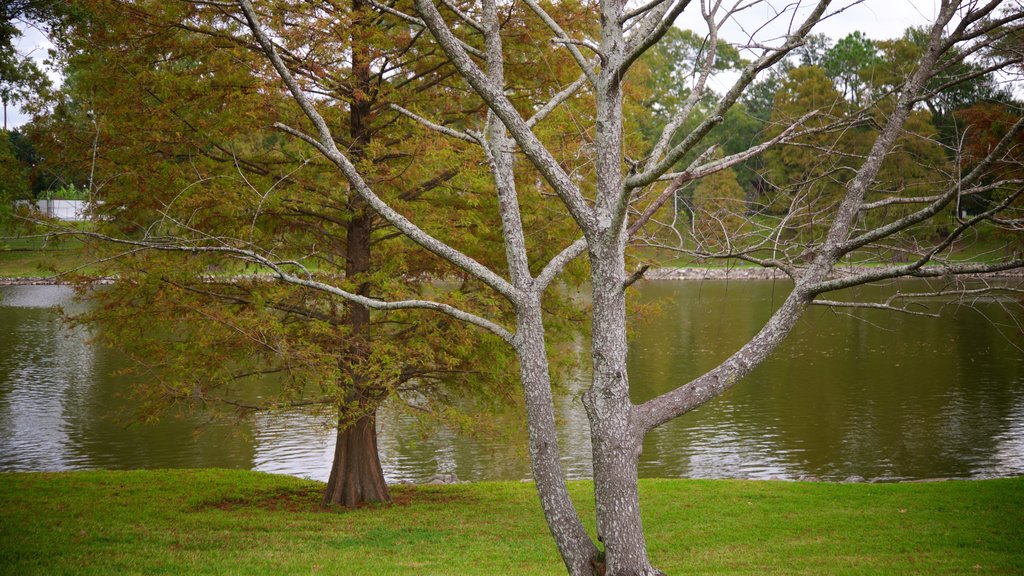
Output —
<point x="868" y="394"/>
<point x="864" y="394"/>
<point x="61" y="408"/>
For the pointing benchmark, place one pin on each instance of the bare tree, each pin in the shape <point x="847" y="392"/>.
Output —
<point x="617" y="200"/>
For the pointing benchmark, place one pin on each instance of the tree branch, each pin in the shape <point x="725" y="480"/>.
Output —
<point x="558" y="263"/>
<point x="495" y="98"/>
<point x="465" y="136"/>
<point x="556" y="100"/>
<point x="284" y="276"/>
<point x="767" y="59"/>
<point x="560" y="34"/>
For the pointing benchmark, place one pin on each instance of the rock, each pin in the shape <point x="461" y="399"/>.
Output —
<point x="443" y="479"/>
<point x="809" y="478"/>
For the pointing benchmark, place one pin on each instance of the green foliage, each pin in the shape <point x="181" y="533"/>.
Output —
<point x="209" y="522"/>
<point x="21" y="78"/>
<point x="665" y="75"/>
<point x="14" y="184"/>
<point x="719" y="210"/>
<point x="673" y="65"/>
<point x="804" y="179"/>
<point x="845" y="61"/>
<point x="760" y="96"/>
<point x="815" y="50"/>
<point x="959" y="82"/>
<point x="68" y="192"/>
<point x="184" y="145"/>
<point x="807" y="178"/>
<point x="981" y="127"/>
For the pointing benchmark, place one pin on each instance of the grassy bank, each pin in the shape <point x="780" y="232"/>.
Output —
<point x="237" y="522"/>
<point x="35" y="258"/>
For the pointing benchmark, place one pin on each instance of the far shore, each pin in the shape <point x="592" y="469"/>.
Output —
<point x="689" y="273"/>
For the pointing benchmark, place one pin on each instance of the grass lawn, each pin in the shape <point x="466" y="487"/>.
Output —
<point x="239" y="522"/>
<point x="983" y="244"/>
<point x="32" y="258"/>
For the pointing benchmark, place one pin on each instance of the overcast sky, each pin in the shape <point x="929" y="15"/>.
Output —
<point x="32" y="43"/>
<point x="879" y="19"/>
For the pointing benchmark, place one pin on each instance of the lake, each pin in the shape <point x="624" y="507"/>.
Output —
<point x="862" y="393"/>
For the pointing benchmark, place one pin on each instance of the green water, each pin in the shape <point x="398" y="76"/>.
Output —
<point x="866" y="393"/>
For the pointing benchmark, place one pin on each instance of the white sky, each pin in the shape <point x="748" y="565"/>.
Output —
<point x="31" y="43"/>
<point x="878" y="19"/>
<point x="768" y="21"/>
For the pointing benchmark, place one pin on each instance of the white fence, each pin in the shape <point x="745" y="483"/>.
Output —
<point x="68" y="210"/>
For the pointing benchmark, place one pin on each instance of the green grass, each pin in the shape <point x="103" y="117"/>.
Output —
<point x="238" y="522"/>
<point x="983" y="244"/>
<point x="33" y="258"/>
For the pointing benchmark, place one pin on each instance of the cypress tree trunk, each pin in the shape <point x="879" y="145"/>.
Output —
<point x="356" y="475"/>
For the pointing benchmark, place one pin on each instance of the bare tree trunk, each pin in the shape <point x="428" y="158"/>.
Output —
<point x="577" y="549"/>
<point x="574" y="544"/>
<point x="356" y="475"/>
<point x="618" y="507"/>
<point x="616" y="445"/>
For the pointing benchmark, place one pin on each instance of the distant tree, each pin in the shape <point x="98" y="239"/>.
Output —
<point x="815" y="51"/>
<point x="961" y="79"/>
<point x="981" y="128"/>
<point x="845" y="62"/>
<point x="719" y="210"/>
<point x="673" y="69"/>
<point x="178" y="118"/>
<point x="805" y="182"/>
<point x="14" y="182"/>
<point x="21" y="78"/>
<point x="802" y="180"/>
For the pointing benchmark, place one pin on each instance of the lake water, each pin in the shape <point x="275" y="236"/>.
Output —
<point x="866" y="393"/>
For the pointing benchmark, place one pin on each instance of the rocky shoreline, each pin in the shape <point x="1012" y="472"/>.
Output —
<point x="742" y="273"/>
<point x="715" y="274"/>
<point x="44" y="281"/>
<point x="752" y="273"/>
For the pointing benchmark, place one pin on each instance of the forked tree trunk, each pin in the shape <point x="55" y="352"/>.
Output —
<point x="356" y="475"/>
